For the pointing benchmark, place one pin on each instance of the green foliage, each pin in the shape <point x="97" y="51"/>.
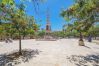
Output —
<point x="41" y="33"/>
<point x="94" y="30"/>
<point x="83" y="13"/>
<point x="5" y="2"/>
<point x="15" y="20"/>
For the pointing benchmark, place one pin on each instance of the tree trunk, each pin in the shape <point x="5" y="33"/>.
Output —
<point x="1" y="38"/>
<point x="20" y="48"/>
<point x="95" y="38"/>
<point x="81" y="42"/>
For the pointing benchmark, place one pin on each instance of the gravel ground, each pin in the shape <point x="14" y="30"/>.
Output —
<point x="63" y="52"/>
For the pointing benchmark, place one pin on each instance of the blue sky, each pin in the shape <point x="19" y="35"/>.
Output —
<point x="55" y="7"/>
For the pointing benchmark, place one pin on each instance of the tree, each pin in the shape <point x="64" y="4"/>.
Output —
<point x="84" y="13"/>
<point x="41" y="33"/>
<point x="2" y="33"/>
<point x="94" y="31"/>
<point x="15" y="17"/>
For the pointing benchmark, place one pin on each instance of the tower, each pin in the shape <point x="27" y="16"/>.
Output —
<point x="48" y="25"/>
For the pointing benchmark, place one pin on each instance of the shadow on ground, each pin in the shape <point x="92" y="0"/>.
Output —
<point x="87" y="47"/>
<point x="14" y="58"/>
<point x="89" y="60"/>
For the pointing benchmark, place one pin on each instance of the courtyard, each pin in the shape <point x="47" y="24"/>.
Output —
<point x="63" y="52"/>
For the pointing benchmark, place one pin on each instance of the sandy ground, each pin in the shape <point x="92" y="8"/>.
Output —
<point x="64" y="52"/>
<point x="96" y="41"/>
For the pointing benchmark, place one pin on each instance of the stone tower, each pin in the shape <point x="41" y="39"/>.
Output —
<point x="48" y="25"/>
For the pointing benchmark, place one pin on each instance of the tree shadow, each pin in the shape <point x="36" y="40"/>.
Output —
<point x="87" y="47"/>
<point x="14" y="58"/>
<point x="93" y="60"/>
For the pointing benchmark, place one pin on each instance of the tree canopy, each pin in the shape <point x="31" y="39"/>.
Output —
<point x="84" y="13"/>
